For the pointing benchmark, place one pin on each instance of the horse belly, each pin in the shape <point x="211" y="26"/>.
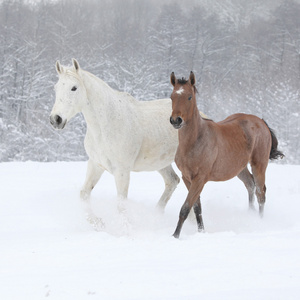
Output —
<point x="152" y="159"/>
<point x="228" y="167"/>
<point x="97" y="152"/>
<point x="157" y="152"/>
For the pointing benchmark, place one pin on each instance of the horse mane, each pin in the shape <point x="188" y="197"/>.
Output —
<point x="72" y="73"/>
<point x="206" y="118"/>
<point x="182" y="80"/>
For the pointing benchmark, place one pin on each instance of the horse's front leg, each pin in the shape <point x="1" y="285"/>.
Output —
<point x="192" y="197"/>
<point x="122" y="179"/>
<point x="93" y="175"/>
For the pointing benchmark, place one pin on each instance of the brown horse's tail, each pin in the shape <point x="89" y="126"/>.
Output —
<point x="274" y="153"/>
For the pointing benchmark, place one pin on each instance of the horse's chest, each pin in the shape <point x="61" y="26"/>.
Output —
<point x="185" y="162"/>
<point x="97" y="151"/>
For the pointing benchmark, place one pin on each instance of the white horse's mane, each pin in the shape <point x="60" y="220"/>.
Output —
<point x="72" y="73"/>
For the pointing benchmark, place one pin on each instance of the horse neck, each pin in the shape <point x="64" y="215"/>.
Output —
<point x="100" y="98"/>
<point x="189" y="133"/>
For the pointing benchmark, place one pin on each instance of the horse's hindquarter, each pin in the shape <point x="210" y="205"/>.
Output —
<point x="159" y="138"/>
<point x="238" y="137"/>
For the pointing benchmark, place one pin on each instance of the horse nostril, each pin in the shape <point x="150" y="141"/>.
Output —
<point x="178" y="120"/>
<point x="57" y="119"/>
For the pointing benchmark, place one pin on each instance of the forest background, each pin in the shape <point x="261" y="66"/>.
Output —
<point x="245" y="55"/>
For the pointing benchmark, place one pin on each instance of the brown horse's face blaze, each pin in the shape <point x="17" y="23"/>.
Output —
<point x="183" y="100"/>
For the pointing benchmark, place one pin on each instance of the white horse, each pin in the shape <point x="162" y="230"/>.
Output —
<point x="123" y="134"/>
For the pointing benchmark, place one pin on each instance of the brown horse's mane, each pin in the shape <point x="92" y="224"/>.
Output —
<point x="207" y="119"/>
<point x="182" y="80"/>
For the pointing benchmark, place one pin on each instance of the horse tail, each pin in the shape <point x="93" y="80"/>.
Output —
<point x="274" y="153"/>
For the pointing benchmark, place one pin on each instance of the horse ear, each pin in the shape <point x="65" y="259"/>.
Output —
<point x="173" y="79"/>
<point x="75" y="64"/>
<point x="192" y="78"/>
<point x="58" y="67"/>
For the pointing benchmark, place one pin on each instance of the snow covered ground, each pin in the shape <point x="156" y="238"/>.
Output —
<point x="49" y="251"/>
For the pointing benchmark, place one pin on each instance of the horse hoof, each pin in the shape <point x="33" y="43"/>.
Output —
<point x="201" y="230"/>
<point x="251" y="207"/>
<point x="84" y="195"/>
<point x="96" y="223"/>
<point x="176" y="235"/>
<point x="159" y="209"/>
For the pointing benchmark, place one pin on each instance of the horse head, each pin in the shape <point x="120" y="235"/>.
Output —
<point x="183" y="100"/>
<point x="70" y="94"/>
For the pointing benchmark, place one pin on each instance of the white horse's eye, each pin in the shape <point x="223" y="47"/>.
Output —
<point x="74" y="88"/>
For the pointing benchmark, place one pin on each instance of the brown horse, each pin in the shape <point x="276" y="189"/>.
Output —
<point x="210" y="151"/>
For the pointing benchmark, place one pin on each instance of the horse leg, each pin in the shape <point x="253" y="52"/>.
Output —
<point x="247" y="178"/>
<point x="192" y="197"/>
<point x="122" y="179"/>
<point x="93" y="175"/>
<point x="198" y="213"/>
<point x="171" y="181"/>
<point x="259" y="179"/>
<point x="197" y="208"/>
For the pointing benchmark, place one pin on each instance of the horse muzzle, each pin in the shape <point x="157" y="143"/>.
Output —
<point x="177" y="123"/>
<point x="57" y="122"/>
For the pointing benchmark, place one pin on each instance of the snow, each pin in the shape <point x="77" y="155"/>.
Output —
<point x="49" y="251"/>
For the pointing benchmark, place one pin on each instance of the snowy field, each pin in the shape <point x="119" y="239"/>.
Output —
<point x="49" y="251"/>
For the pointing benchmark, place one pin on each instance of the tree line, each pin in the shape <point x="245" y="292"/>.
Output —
<point x="245" y="55"/>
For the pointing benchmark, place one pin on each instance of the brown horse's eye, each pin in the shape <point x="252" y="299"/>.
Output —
<point x="190" y="97"/>
<point x="74" y="88"/>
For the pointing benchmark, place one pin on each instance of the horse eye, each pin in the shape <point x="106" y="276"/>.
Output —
<point x="190" y="97"/>
<point x="74" y="88"/>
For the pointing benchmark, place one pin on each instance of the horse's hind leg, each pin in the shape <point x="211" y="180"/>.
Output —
<point x="122" y="179"/>
<point x="171" y="181"/>
<point x="249" y="183"/>
<point x="198" y="213"/>
<point x="259" y="179"/>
